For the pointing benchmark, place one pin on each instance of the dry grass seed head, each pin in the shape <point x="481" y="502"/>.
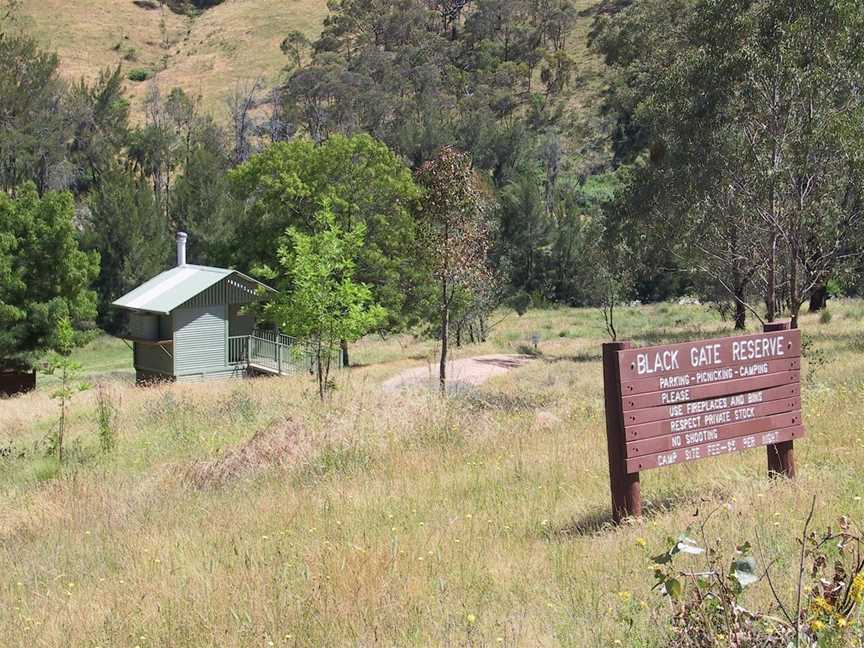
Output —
<point x="278" y="446"/>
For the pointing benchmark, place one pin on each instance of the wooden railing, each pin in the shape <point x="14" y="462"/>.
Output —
<point x="238" y="350"/>
<point x="274" y="336"/>
<point x="273" y="351"/>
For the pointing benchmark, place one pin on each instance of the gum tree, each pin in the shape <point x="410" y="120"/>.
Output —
<point x="746" y="123"/>
<point x="457" y="235"/>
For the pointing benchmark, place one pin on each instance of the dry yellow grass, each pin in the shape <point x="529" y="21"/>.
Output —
<point x="90" y="35"/>
<point x="407" y="520"/>
<point x="235" y="43"/>
<point x="206" y="56"/>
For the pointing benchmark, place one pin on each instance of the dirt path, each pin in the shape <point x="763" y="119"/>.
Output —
<point x="460" y="373"/>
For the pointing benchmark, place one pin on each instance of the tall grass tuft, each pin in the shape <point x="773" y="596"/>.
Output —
<point x="107" y="414"/>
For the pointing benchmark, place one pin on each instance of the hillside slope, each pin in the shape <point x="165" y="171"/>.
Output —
<point x="206" y="56"/>
<point x="232" y="43"/>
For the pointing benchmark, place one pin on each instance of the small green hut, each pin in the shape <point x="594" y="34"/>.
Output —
<point x="187" y="324"/>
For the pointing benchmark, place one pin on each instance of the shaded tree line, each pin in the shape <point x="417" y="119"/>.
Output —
<point x="742" y="147"/>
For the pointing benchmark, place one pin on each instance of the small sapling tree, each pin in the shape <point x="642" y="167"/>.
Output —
<point x="107" y="412"/>
<point x="60" y="363"/>
<point x="613" y="266"/>
<point x="458" y="236"/>
<point x="321" y="302"/>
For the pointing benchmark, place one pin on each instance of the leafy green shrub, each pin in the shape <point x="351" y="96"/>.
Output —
<point x="834" y="289"/>
<point x="539" y="300"/>
<point x="520" y="302"/>
<point x="815" y="356"/>
<point x="138" y="75"/>
<point x="707" y="603"/>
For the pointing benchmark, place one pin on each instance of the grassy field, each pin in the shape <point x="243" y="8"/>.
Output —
<point x="247" y="514"/>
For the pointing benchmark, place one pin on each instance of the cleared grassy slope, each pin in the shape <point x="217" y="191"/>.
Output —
<point x="90" y="35"/>
<point x="397" y="519"/>
<point x="206" y="56"/>
<point x="236" y="42"/>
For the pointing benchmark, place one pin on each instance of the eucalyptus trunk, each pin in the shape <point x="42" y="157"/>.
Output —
<point x="343" y="347"/>
<point x="445" y="324"/>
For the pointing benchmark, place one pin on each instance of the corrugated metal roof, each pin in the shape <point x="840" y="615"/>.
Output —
<point x="168" y="290"/>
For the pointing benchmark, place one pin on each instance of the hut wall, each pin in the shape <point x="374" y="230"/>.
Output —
<point x="153" y="359"/>
<point x="166" y="327"/>
<point x="144" y="326"/>
<point x="200" y="340"/>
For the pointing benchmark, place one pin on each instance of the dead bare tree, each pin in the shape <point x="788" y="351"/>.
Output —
<point x="240" y="105"/>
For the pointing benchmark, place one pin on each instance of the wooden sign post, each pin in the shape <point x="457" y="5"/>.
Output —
<point x="682" y="402"/>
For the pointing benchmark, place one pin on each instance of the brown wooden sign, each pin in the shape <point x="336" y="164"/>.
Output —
<point x="672" y="404"/>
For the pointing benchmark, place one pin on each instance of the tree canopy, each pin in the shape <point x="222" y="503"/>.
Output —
<point x="717" y="152"/>
<point x="457" y="233"/>
<point x="362" y="182"/>
<point x="321" y="302"/>
<point x="750" y="116"/>
<point x="45" y="277"/>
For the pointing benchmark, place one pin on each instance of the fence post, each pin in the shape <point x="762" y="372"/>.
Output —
<point x="279" y="359"/>
<point x="626" y="499"/>
<point x="781" y="456"/>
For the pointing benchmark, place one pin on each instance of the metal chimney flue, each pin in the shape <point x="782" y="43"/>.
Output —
<point x="181" y="249"/>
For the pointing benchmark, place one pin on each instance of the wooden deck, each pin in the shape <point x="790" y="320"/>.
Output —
<point x="269" y="352"/>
